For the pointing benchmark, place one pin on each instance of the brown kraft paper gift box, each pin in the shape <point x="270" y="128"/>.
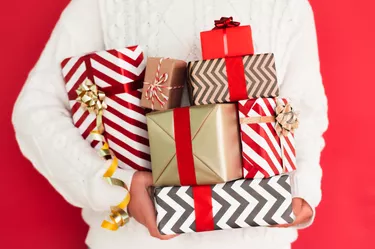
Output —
<point x="164" y="82"/>
<point x="232" y="79"/>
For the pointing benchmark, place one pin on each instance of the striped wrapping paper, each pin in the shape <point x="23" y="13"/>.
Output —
<point x="265" y="153"/>
<point x="124" y="119"/>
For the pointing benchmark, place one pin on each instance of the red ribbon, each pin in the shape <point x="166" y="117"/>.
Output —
<point x="234" y="65"/>
<point x="114" y="90"/>
<point x="226" y="22"/>
<point x="184" y="147"/>
<point x="204" y="220"/>
<point x="236" y="78"/>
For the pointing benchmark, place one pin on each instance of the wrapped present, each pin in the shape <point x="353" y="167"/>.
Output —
<point x="232" y="79"/>
<point x="164" y="83"/>
<point x="195" y="145"/>
<point x="109" y="83"/>
<point x="237" y="204"/>
<point x="227" y="39"/>
<point x="267" y="126"/>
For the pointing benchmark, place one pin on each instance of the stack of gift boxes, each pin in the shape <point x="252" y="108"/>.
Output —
<point x="221" y="163"/>
<point x="201" y="154"/>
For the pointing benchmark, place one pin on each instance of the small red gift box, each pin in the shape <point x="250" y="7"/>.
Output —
<point x="267" y="126"/>
<point x="227" y="39"/>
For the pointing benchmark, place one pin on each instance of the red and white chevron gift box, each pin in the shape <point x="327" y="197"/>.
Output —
<point x="119" y="74"/>
<point x="265" y="153"/>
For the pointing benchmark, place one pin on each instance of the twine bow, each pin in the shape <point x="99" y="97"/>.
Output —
<point x="155" y="88"/>
<point x="226" y="22"/>
<point x="92" y="100"/>
<point x="286" y="119"/>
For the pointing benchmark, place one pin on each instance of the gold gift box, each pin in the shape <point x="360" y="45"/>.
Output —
<point x="215" y="145"/>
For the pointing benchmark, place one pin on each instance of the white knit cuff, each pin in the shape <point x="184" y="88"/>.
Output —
<point x="307" y="191"/>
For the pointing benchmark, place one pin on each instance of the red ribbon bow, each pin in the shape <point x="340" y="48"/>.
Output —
<point x="226" y="22"/>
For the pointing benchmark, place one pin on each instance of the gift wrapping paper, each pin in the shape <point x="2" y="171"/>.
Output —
<point x="119" y="75"/>
<point x="232" y="79"/>
<point x="164" y="83"/>
<point x="236" y="204"/>
<point x="195" y="145"/>
<point x="265" y="153"/>
<point x="227" y="39"/>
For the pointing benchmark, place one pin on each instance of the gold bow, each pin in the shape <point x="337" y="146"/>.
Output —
<point x="92" y="100"/>
<point x="286" y="119"/>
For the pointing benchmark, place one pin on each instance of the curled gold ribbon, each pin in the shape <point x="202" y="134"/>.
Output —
<point x="92" y="100"/>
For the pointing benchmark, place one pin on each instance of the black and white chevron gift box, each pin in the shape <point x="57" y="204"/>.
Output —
<point x="237" y="204"/>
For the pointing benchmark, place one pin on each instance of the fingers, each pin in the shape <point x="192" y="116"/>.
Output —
<point x="302" y="211"/>
<point x="154" y="231"/>
<point x="150" y="221"/>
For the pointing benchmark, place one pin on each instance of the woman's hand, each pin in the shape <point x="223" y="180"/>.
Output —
<point x="302" y="211"/>
<point x="141" y="207"/>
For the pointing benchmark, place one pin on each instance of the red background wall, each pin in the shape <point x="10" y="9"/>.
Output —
<point x="347" y="214"/>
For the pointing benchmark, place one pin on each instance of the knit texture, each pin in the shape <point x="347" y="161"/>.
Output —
<point x="167" y="28"/>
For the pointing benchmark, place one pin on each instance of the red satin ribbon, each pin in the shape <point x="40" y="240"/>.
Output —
<point x="223" y="24"/>
<point x="184" y="148"/>
<point x="114" y="90"/>
<point x="89" y="73"/>
<point x="236" y="78"/>
<point x="225" y="41"/>
<point x="204" y="220"/>
<point x="234" y="65"/>
<point x="126" y="88"/>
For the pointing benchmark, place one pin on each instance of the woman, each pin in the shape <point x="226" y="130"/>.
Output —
<point x="167" y="28"/>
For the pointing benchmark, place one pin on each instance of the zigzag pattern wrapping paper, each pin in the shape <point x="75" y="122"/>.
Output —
<point x="264" y="153"/>
<point x="237" y="204"/>
<point x="124" y="119"/>
<point x="208" y="79"/>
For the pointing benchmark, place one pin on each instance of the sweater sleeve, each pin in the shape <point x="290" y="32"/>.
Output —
<point x="43" y="123"/>
<point x="303" y="85"/>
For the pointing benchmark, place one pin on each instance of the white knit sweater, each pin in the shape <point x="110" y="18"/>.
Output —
<point x="168" y="28"/>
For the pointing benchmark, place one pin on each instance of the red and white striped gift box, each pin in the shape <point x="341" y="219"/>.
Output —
<point x="124" y="119"/>
<point x="265" y="153"/>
